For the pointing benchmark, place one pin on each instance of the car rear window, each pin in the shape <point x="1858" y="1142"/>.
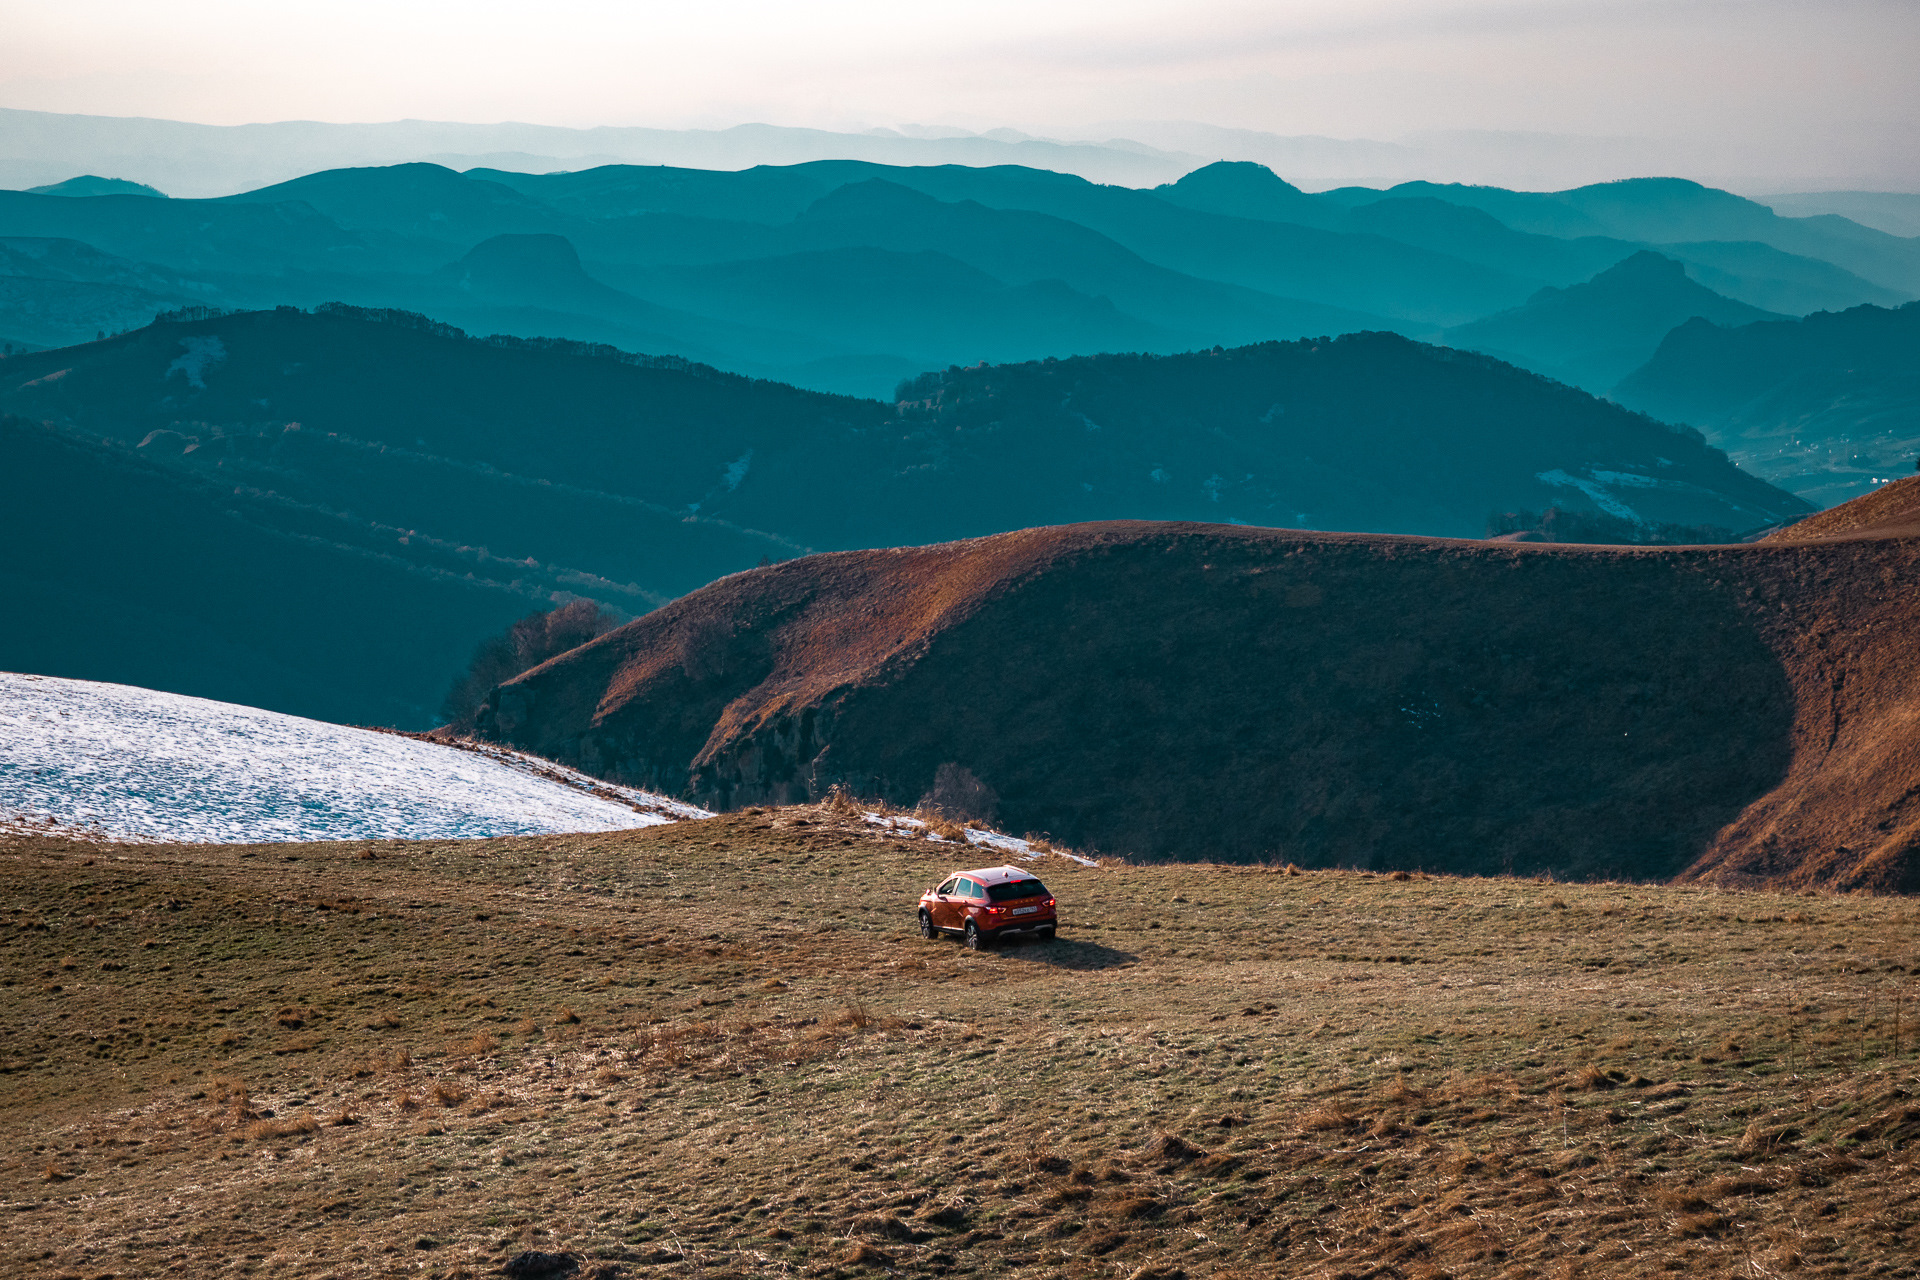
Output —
<point x="1015" y="889"/>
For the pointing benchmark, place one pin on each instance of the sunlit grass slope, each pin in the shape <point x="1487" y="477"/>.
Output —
<point x="719" y="1049"/>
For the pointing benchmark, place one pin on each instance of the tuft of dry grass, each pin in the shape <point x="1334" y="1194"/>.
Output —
<point x="477" y="1045"/>
<point x="293" y="1126"/>
<point x="449" y="1093"/>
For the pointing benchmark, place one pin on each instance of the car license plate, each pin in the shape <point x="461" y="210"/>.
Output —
<point x="1024" y="911"/>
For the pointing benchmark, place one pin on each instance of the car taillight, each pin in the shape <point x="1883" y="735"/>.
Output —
<point x="996" y="910"/>
<point x="1049" y="901"/>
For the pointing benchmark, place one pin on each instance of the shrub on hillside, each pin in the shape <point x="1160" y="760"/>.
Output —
<point x="958" y="795"/>
<point x="524" y="645"/>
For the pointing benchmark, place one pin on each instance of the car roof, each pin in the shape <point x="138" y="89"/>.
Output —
<point x="997" y="875"/>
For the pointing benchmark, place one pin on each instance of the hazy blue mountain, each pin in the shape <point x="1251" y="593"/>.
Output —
<point x="767" y="194"/>
<point x="1245" y="190"/>
<point x="414" y="201"/>
<point x="53" y="258"/>
<point x="383" y="237"/>
<point x="1362" y="272"/>
<point x="1018" y="246"/>
<point x="1827" y="406"/>
<point x="212" y="160"/>
<point x="59" y="313"/>
<point x="1366" y="432"/>
<point x="1242" y="189"/>
<point x="89" y="185"/>
<point x="56" y="292"/>
<point x="1064" y="266"/>
<point x="1473" y="235"/>
<point x="535" y="286"/>
<point x="1350" y="271"/>
<point x="196" y="235"/>
<point x="1346" y="435"/>
<point x="1895" y="212"/>
<point x="1673" y="210"/>
<point x="1773" y="280"/>
<point x="852" y="321"/>
<point x="921" y="304"/>
<point x="1560" y="241"/>
<point x="1590" y="335"/>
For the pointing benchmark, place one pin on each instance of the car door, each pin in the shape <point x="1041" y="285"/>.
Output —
<point x="970" y="895"/>
<point x="945" y="909"/>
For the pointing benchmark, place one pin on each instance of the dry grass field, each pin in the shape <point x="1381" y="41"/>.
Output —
<point x="719" y="1049"/>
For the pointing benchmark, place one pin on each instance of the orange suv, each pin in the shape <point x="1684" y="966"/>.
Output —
<point x="993" y="902"/>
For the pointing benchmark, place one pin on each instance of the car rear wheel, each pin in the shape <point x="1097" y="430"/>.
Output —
<point x="1046" y="934"/>
<point x="975" y="939"/>
<point x="926" y="926"/>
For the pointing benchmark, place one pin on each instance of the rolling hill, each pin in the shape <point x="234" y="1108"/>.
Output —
<point x="1827" y="406"/>
<point x="1370" y="432"/>
<point x="1205" y="692"/>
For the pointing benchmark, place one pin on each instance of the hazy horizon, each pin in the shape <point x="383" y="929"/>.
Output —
<point x="1756" y="94"/>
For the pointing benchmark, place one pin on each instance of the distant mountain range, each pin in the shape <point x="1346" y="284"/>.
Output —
<point x="528" y="472"/>
<point x="847" y="275"/>
<point x="852" y="277"/>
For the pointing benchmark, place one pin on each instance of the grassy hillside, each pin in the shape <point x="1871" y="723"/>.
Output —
<point x="648" y="1050"/>
<point x="1201" y="691"/>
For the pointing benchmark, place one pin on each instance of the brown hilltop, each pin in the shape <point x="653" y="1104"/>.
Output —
<point x="1891" y="509"/>
<point x="1848" y="813"/>
<point x="1743" y="713"/>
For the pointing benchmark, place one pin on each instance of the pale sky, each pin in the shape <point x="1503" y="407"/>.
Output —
<point x="1739" y="74"/>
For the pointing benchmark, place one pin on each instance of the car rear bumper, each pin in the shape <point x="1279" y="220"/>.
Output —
<point x="1032" y="925"/>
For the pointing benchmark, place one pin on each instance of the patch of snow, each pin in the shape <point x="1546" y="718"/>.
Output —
<point x="117" y="762"/>
<point x="737" y="470"/>
<point x="203" y="355"/>
<point x="1601" y="498"/>
<point x="1632" y="480"/>
<point x="998" y="841"/>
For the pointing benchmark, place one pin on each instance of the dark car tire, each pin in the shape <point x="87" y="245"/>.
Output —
<point x="926" y="926"/>
<point x="976" y="941"/>
<point x="1046" y="935"/>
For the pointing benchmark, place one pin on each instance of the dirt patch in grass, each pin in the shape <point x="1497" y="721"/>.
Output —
<point x="721" y="1049"/>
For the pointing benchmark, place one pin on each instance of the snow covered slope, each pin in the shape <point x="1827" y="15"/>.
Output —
<point x="112" y="761"/>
